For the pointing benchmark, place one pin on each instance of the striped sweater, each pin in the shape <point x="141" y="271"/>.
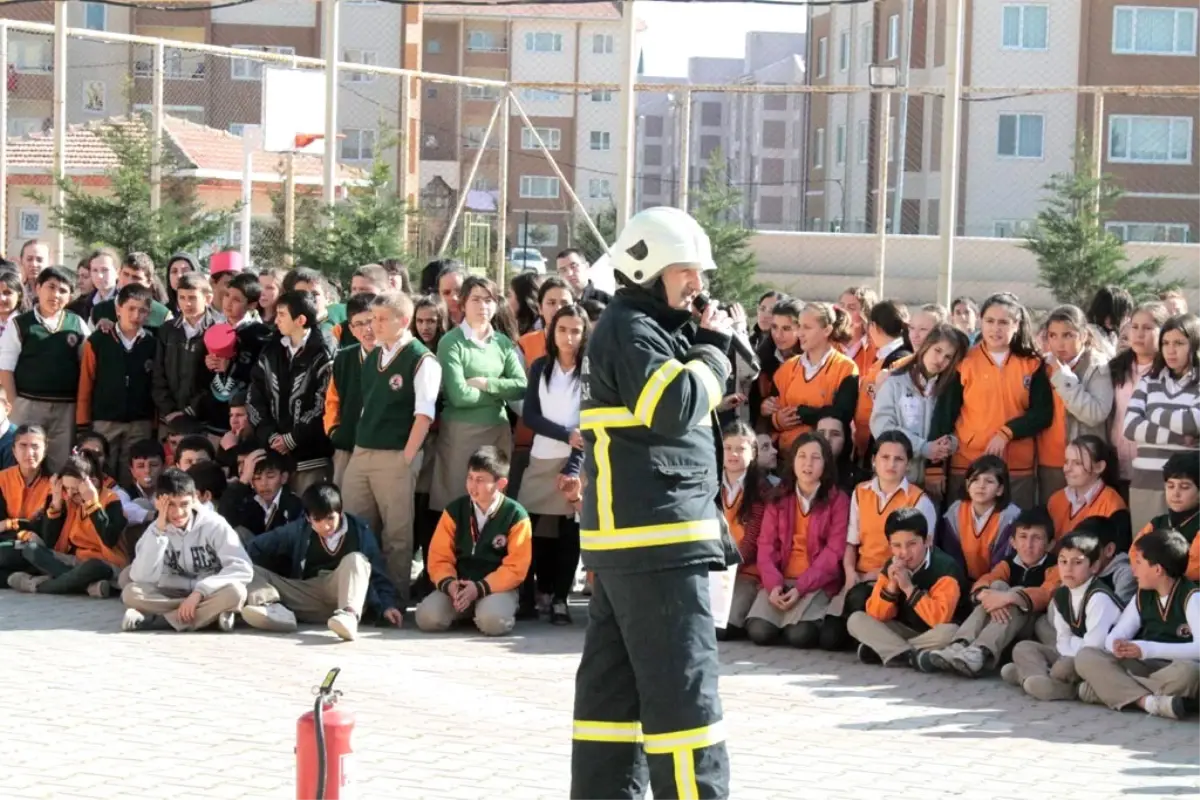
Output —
<point x="1163" y="411"/>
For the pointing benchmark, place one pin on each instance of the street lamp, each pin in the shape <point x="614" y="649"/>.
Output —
<point x="886" y="77"/>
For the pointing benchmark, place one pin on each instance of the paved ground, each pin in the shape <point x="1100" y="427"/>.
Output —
<point x="95" y="713"/>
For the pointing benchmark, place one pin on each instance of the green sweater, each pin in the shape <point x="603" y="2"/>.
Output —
<point x="497" y="361"/>
<point x="347" y="382"/>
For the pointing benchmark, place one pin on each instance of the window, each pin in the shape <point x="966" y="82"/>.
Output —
<point x="537" y="234"/>
<point x="474" y="136"/>
<point x="94" y="97"/>
<point x="1011" y="228"/>
<point x="1154" y="31"/>
<point x="822" y="56"/>
<point x="22" y="126"/>
<point x="600" y="140"/>
<point x="355" y="56"/>
<point x="710" y="114"/>
<point x="815" y="223"/>
<point x="551" y="136"/>
<point x="819" y="149"/>
<point x="1150" y="231"/>
<point x="1150" y="140"/>
<point x="843" y="51"/>
<point x="245" y="69"/>
<point x="539" y="186"/>
<point x="190" y="113"/>
<point x="485" y="42"/>
<point x="30" y="222"/>
<point x="483" y="184"/>
<point x="94" y="16"/>
<point x="652" y="155"/>
<point x="483" y="92"/>
<point x="359" y="144"/>
<point x="599" y="188"/>
<point x="866" y="44"/>
<point x="863" y="144"/>
<point x="774" y="134"/>
<point x="602" y="44"/>
<point x="1025" y="27"/>
<point x="178" y="64"/>
<point x="538" y="96"/>
<point x="433" y="46"/>
<point x="431" y="92"/>
<point x="652" y="185"/>
<point x="839" y="145"/>
<point x="654" y="126"/>
<point x="602" y="96"/>
<point x="543" y="42"/>
<point x="893" y="42"/>
<point x="1019" y="136"/>
<point x="30" y="55"/>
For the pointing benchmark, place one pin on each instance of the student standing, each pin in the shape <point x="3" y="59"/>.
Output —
<point x="135" y="268"/>
<point x="181" y="378"/>
<point x="12" y="297"/>
<point x="101" y="266"/>
<point x="887" y="330"/>
<point x="40" y="353"/>
<point x="1127" y="370"/>
<point x="343" y="401"/>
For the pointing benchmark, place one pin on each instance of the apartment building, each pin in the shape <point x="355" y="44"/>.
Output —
<point x="535" y="43"/>
<point x="1012" y="141"/>
<point x="659" y="115"/>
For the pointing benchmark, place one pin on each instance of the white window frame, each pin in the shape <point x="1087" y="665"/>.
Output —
<point x="476" y="92"/>
<point x="88" y="9"/>
<point x="1121" y="231"/>
<point x="843" y="51"/>
<point x="23" y="52"/>
<point x="539" y="96"/>
<point x="543" y="42"/>
<point x="551" y="136"/>
<point x="530" y="183"/>
<point x="1022" y="27"/>
<point x="1180" y="23"/>
<point x="600" y="141"/>
<point x="839" y="145"/>
<point x="357" y="135"/>
<point x="24" y="214"/>
<point x="819" y="150"/>
<point x="1016" y="154"/>
<point x="599" y="188"/>
<point x="602" y="96"/>
<point x="103" y="95"/>
<point x="356" y="55"/>
<point x="483" y="183"/>
<point x="866" y="44"/>
<point x="491" y="42"/>
<point x="893" y="40"/>
<point x="822" y="56"/>
<point x="1116" y="120"/>
<point x="862" y="145"/>
<point x="246" y="69"/>
<point x="602" y="44"/>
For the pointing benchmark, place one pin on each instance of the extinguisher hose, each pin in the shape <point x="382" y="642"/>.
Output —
<point x="319" y="724"/>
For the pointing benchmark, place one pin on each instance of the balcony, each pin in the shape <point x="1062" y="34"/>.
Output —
<point x="178" y="64"/>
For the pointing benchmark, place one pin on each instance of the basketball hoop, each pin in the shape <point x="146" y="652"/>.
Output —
<point x="303" y="140"/>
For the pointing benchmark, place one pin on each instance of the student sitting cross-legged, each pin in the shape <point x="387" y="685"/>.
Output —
<point x="1151" y="657"/>
<point x="1082" y="612"/>
<point x="261" y="499"/>
<point x="1180" y="475"/>
<point x="913" y="604"/>
<point x="330" y="570"/>
<point x="189" y="568"/>
<point x="1007" y="601"/>
<point x="480" y="552"/>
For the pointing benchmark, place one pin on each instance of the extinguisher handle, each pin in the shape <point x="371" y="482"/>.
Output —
<point x="325" y="690"/>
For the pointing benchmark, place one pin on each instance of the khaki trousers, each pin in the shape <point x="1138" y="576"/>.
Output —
<point x="59" y="421"/>
<point x="378" y="486"/>
<point x="494" y="615"/>
<point x="1122" y="682"/>
<point x="314" y="600"/>
<point x="150" y="599"/>
<point x="341" y="458"/>
<point x="1034" y="659"/>
<point x="980" y="631"/>
<point x="309" y="477"/>
<point x="892" y="639"/>
<point x="121" y="435"/>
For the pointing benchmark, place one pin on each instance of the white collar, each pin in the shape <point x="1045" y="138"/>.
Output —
<point x="274" y="500"/>
<point x="903" y="487"/>
<point x="733" y="489"/>
<point x="1078" y="501"/>
<point x="386" y="354"/>
<point x="51" y="323"/>
<point x="856" y="346"/>
<point x="128" y="343"/>
<point x="1042" y="560"/>
<point x="804" y="500"/>
<point x="334" y="540"/>
<point x="99" y="297"/>
<point x="485" y="513"/>
<point x="469" y="334"/>
<point x="980" y="522"/>
<point x="1080" y="590"/>
<point x="296" y="348"/>
<point x="888" y="349"/>
<point x="808" y="365"/>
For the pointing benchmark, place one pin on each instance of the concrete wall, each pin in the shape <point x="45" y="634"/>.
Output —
<point x="816" y="266"/>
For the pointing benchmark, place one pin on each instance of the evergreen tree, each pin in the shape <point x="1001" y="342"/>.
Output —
<point x="716" y="206"/>
<point x="586" y="242"/>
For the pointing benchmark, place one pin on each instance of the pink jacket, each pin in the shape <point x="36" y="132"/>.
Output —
<point x="827" y="524"/>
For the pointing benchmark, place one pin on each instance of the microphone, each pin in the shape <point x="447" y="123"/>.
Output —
<point x="740" y="343"/>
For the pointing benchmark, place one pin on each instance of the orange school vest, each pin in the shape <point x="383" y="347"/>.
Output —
<point x="797" y="390"/>
<point x="23" y="502"/>
<point x="873" y="549"/>
<point x="736" y="529"/>
<point x="797" y="561"/>
<point x="977" y="544"/>
<point x="991" y="396"/>
<point x="1104" y="504"/>
<point x="80" y="537"/>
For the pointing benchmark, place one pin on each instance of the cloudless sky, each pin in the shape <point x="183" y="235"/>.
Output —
<point x="677" y="31"/>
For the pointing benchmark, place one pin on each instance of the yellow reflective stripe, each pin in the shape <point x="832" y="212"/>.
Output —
<point x="661" y="743"/>
<point x="652" y="392"/>
<point x="607" y="417"/>
<point x="685" y="775"/>
<point x="711" y="385"/>
<point x="597" y="731"/>
<point x="612" y="538"/>
<point x="604" y="486"/>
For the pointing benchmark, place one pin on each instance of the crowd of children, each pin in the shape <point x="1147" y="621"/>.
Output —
<point x="959" y="490"/>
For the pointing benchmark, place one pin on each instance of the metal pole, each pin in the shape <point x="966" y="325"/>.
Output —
<point x="625" y="137"/>
<point x="249" y="145"/>
<point x="902" y="124"/>
<point x="685" y="150"/>
<point x="1097" y="149"/>
<point x="289" y="209"/>
<point x="60" y="122"/>
<point x="462" y="194"/>
<point x="952" y="105"/>
<point x="4" y="138"/>
<point x="330" y="34"/>
<point x="402" y="157"/>
<point x="502" y="200"/>
<point x="156" y="126"/>
<point x="881" y="215"/>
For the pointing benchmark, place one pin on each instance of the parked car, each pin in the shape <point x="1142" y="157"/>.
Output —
<point x="527" y="259"/>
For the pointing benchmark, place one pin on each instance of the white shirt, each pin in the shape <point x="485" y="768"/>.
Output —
<point x="1131" y="621"/>
<point x="427" y="381"/>
<point x="560" y="404"/>
<point x="924" y="505"/>
<point x="1078" y="501"/>
<point x="482" y="515"/>
<point x="981" y="521"/>
<point x="732" y="488"/>
<point x="334" y="540"/>
<point x="999" y="358"/>
<point x="804" y="500"/>
<point x="888" y="349"/>
<point x="292" y="349"/>
<point x="855" y="347"/>
<point x="99" y="297"/>
<point x="10" y="340"/>
<point x="129" y="343"/>
<point x="1100" y="615"/>
<point x="469" y="334"/>
<point x="269" y="508"/>
<point x="192" y="331"/>
<point x="811" y="369"/>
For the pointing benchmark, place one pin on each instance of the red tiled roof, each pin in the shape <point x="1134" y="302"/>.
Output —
<point x="200" y="148"/>
<point x="580" y="11"/>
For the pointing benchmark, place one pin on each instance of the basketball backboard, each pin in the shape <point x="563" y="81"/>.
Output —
<point x="293" y="110"/>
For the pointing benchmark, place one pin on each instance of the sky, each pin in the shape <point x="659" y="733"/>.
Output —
<point x="676" y="31"/>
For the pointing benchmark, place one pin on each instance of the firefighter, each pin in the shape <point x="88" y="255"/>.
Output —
<point x="646" y="702"/>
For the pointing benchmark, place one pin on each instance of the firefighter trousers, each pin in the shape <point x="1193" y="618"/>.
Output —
<point x="646" y="701"/>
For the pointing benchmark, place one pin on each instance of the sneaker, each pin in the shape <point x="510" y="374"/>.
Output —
<point x="970" y="661"/>
<point x="226" y="620"/>
<point x="1165" y="706"/>
<point x="100" y="589"/>
<point x="135" y="620"/>
<point x="559" y="613"/>
<point x="943" y="659"/>
<point x="1010" y="675"/>
<point x="868" y="656"/>
<point x="922" y="661"/>
<point x="270" y="617"/>
<point x="344" y="624"/>
<point x="1088" y="695"/>
<point x="22" y="582"/>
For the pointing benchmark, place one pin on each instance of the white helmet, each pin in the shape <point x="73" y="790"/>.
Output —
<point x="655" y="239"/>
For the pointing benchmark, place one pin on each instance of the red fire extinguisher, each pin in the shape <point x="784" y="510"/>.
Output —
<point x="324" y="747"/>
